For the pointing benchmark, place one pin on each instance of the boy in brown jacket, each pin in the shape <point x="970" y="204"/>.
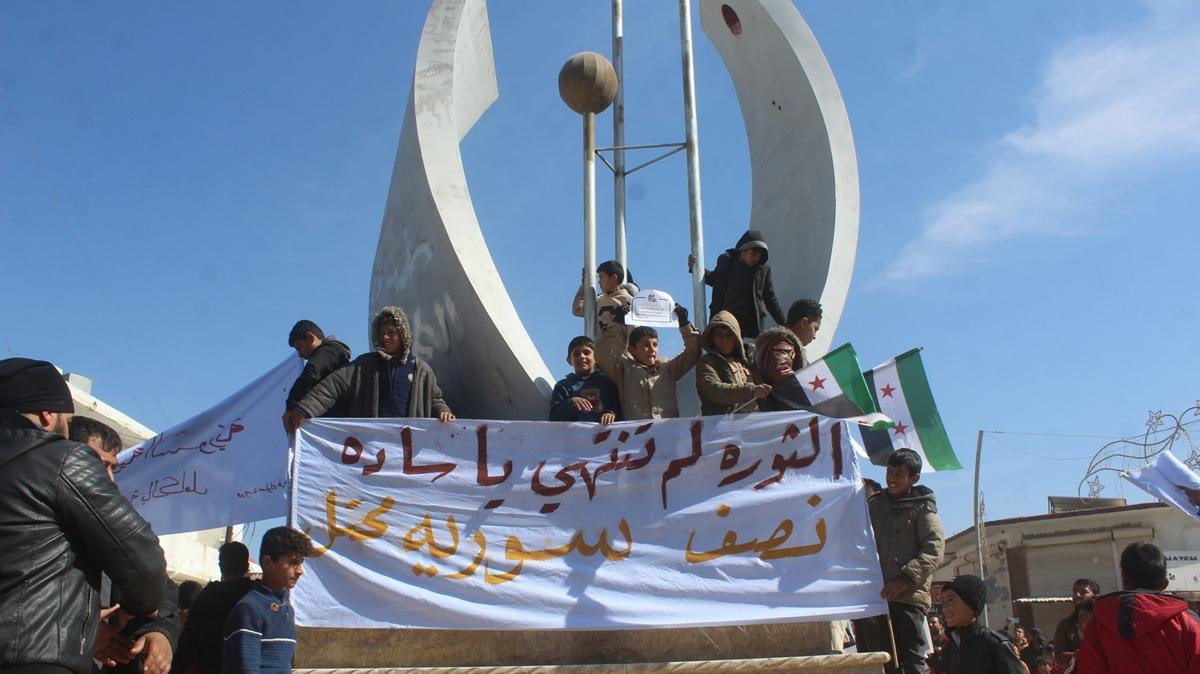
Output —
<point x="908" y="536"/>
<point x="646" y="385"/>
<point x="724" y="379"/>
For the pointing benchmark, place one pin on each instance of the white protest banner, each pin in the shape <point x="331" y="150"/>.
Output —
<point x="224" y="466"/>
<point x="653" y="308"/>
<point x="540" y="525"/>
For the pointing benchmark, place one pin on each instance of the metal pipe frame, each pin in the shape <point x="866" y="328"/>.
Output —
<point x="589" y="224"/>
<point x="618" y="165"/>
<point x="983" y="618"/>
<point x="692" y="138"/>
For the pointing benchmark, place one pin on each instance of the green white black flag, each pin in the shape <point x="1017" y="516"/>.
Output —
<point x="900" y="390"/>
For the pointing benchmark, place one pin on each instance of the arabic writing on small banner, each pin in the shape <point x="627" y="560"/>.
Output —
<point x="536" y="525"/>
<point x="226" y="465"/>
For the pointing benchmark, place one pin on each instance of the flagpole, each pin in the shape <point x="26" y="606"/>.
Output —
<point x="978" y="533"/>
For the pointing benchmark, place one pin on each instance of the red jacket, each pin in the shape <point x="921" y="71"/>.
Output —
<point x="1139" y="632"/>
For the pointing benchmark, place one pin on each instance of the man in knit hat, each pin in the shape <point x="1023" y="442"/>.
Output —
<point x="972" y="648"/>
<point x="63" y="522"/>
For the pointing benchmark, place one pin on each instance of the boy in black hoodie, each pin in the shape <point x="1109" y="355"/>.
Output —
<point x="324" y="355"/>
<point x="742" y="284"/>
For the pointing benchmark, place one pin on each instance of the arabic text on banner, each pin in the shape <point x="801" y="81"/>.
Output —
<point x="226" y="465"/>
<point x="535" y="525"/>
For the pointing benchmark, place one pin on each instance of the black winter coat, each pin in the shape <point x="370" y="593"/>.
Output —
<point x="765" y="300"/>
<point x="977" y="650"/>
<point x="63" y="522"/>
<point x="326" y="359"/>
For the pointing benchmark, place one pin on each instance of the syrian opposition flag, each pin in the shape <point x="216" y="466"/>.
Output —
<point x="900" y="390"/>
<point x="834" y="387"/>
<point x="1169" y="480"/>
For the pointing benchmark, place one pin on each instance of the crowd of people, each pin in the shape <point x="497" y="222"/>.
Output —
<point x="83" y="582"/>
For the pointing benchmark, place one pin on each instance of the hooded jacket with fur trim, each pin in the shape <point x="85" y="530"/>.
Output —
<point x="356" y="386"/>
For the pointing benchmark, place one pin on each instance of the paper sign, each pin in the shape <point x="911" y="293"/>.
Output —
<point x="653" y="308"/>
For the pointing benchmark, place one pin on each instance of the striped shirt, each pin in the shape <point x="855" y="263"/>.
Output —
<point x="260" y="634"/>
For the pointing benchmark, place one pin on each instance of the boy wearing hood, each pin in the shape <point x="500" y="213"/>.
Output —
<point x="387" y="382"/>
<point x="724" y="379"/>
<point x="778" y="354"/>
<point x="646" y="384"/>
<point x="908" y="536"/>
<point x="1140" y="628"/>
<point x="741" y="284"/>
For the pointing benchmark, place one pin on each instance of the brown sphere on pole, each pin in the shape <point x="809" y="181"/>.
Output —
<point x="587" y="83"/>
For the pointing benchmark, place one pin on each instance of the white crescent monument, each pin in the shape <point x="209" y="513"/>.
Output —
<point x="433" y="261"/>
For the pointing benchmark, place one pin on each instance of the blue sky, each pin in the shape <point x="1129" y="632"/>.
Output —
<point x="178" y="184"/>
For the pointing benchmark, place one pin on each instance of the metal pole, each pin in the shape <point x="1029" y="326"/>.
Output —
<point x="618" y="52"/>
<point x="693" y="164"/>
<point x="983" y="619"/>
<point x="589" y="224"/>
<point x="229" y="534"/>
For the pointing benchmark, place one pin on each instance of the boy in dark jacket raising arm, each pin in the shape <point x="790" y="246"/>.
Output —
<point x="908" y="535"/>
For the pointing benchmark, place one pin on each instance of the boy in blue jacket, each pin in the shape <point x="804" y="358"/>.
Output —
<point x="260" y="633"/>
<point x="587" y="394"/>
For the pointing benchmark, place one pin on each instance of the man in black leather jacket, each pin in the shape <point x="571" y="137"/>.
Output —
<point x="125" y="645"/>
<point x="62" y="522"/>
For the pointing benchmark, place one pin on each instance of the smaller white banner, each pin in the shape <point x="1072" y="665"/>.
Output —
<point x="224" y="466"/>
<point x="501" y="525"/>
<point x="652" y="308"/>
<point x="1170" y="481"/>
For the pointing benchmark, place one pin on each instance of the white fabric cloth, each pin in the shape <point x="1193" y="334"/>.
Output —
<point x="533" y="525"/>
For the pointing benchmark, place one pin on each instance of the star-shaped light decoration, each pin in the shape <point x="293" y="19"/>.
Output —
<point x="1193" y="460"/>
<point x="1095" y="486"/>
<point x="1155" y="420"/>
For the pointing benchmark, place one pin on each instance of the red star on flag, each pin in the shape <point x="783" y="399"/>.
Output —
<point x="887" y="391"/>
<point x="817" y="383"/>
<point x="901" y="429"/>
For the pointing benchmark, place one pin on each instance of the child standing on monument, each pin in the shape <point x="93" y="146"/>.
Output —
<point x="614" y="292"/>
<point x="908" y="536"/>
<point x="742" y="284"/>
<point x="587" y="394"/>
<point x="646" y="384"/>
<point x="725" y="381"/>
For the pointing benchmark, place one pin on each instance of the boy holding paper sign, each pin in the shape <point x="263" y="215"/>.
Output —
<point x="646" y="385"/>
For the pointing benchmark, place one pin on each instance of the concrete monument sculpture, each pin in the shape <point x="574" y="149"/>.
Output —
<point x="433" y="260"/>
<point x="802" y="158"/>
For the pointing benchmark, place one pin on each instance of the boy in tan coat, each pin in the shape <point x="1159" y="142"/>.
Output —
<point x="614" y="292"/>
<point x="647" y="385"/>
<point x="724" y="379"/>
